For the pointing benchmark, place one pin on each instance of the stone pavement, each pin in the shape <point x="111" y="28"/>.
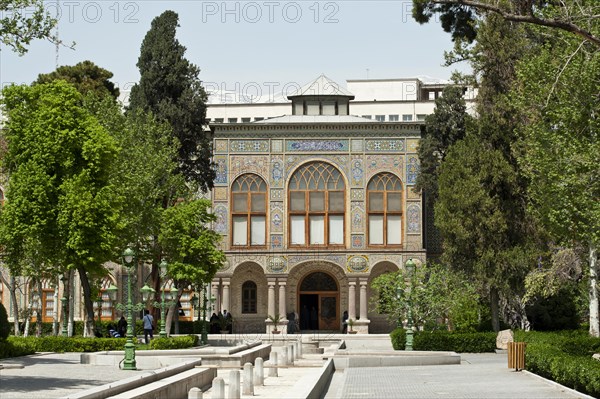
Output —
<point x="478" y="376"/>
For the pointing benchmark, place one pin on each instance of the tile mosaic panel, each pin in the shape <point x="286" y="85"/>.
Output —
<point x="258" y="164"/>
<point x="358" y="241"/>
<point x="277" y="171"/>
<point x="358" y="171"/>
<point x="276" y="145"/>
<point x="277" y="264"/>
<point x="220" y="145"/>
<point x="388" y="163"/>
<point x="316" y="145"/>
<point x="276" y="194"/>
<point x="277" y="217"/>
<point x="276" y="241"/>
<point x="413" y="218"/>
<point x="358" y="216"/>
<point x="411" y="193"/>
<point x="221" y="222"/>
<point x="357" y="264"/>
<point x="412" y="145"/>
<point x="221" y="169"/>
<point x="412" y="169"/>
<point x="382" y="145"/>
<point x="337" y="259"/>
<point x="376" y="258"/>
<point x="249" y="145"/>
<point x="357" y="194"/>
<point x="220" y="193"/>
<point x="357" y="145"/>
<point x="292" y="161"/>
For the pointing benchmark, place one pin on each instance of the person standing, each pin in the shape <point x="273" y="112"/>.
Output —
<point x="122" y="326"/>
<point x="345" y="322"/>
<point x="148" y="325"/>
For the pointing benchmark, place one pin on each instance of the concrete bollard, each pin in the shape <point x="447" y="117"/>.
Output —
<point x="259" y="372"/>
<point x="273" y="370"/>
<point x="234" y="384"/>
<point x="195" y="393"/>
<point x="218" y="388"/>
<point x="300" y="348"/>
<point x="248" y="379"/>
<point x="290" y="357"/>
<point x="283" y="353"/>
<point x="295" y="343"/>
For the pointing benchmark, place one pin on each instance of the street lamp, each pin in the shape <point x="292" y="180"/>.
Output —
<point x="205" y="299"/>
<point x="165" y="298"/>
<point x="63" y="301"/>
<point x="410" y="268"/>
<point x="129" y="262"/>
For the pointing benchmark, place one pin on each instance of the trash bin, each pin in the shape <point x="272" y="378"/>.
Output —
<point x="516" y="355"/>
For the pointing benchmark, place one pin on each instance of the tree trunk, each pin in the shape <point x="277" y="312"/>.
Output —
<point x="172" y="310"/>
<point x="12" y="287"/>
<point x="593" y="292"/>
<point x="87" y="301"/>
<point x="495" y="309"/>
<point x="55" y="321"/>
<point x="38" y="322"/>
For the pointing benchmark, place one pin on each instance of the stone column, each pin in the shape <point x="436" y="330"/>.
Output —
<point x="282" y="307"/>
<point x="352" y="300"/>
<point x="363" y="300"/>
<point x="215" y="293"/>
<point x="225" y="302"/>
<point x="271" y="298"/>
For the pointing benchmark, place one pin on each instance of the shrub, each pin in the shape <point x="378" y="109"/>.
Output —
<point x="398" y="337"/>
<point x="69" y="344"/>
<point x="12" y="348"/>
<point x="188" y="341"/>
<point x="4" y="326"/>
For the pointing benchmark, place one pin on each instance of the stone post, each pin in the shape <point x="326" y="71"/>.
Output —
<point x="299" y="348"/>
<point x="273" y="360"/>
<point x="352" y="300"/>
<point x="259" y="372"/>
<point x="248" y="379"/>
<point x="291" y="354"/>
<point x="284" y="356"/>
<point x="234" y="384"/>
<point x="218" y="388"/>
<point x="195" y="393"/>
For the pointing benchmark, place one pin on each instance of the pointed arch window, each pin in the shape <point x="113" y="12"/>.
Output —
<point x="249" y="211"/>
<point x="316" y="206"/>
<point x="384" y="202"/>
<point x="249" y="297"/>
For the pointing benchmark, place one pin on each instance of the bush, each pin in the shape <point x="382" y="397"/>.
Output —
<point x="188" y="341"/>
<point x="4" y="326"/>
<point x="564" y="357"/>
<point x="12" y="348"/>
<point x="69" y="344"/>
<point x="477" y="342"/>
<point x="398" y="337"/>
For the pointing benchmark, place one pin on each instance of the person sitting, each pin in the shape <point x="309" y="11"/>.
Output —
<point x="112" y="331"/>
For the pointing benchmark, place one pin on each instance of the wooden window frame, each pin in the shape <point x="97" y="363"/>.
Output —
<point x="249" y="212"/>
<point x="385" y="213"/>
<point x="249" y="305"/>
<point x="307" y="213"/>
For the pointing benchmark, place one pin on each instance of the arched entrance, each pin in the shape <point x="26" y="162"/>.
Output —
<point x="319" y="298"/>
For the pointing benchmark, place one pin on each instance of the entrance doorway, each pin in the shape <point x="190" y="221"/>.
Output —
<point x="319" y="302"/>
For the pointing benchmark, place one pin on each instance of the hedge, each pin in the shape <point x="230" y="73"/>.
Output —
<point x="185" y="327"/>
<point x="187" y="341"/>
<point x="476" y="342"/>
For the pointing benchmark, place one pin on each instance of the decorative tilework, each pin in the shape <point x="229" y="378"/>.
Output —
<point x="258" y="164"/>
<point x="357" y="194"/>
<point x="340" y="161"/>
<point x="276" y="145"/>
<point x="220" y="169"/>
<point x="337" y="259"/>
<point x="412" y="170"/>
<point x="357" y="145"/>
<point x="388" y="257"/>
<point x="277" y="264"/>
<point x="358" y="241"/>
<point x="357" y="264"/>
<point x="316" y="145"/>
<point x="249" y="145"/>
<point x="358" y="214"/>
<point x="388" y="163"/>
<point x="277" y="217"/>
<point x="220" y="193"/>
<point x="220" y="145"/>
<point x="412" y="145"/>
<point x="276" y="241"/>
<point x="413" y="218"/>
<point x="277" y="171"/>
<point x="413" y="194"/>
<point x="358" y="169"/>
<point x="385" y="145"/>
<point x="221" y="222"/>
<point x="276" y="194"/>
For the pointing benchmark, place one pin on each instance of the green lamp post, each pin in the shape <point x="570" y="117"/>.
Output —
<point x="166" y="298"/>
<point x="63" y="301"/>
<point x="129" y="362"/>
<point x="410" y="269"/>
<point x="205" y="300"/>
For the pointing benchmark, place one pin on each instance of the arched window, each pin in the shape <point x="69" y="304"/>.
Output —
<point x="316" y="206"/>
<point x="249" y="211"/>
<point x="249" y="297"/>
<point x="385" y="210"/>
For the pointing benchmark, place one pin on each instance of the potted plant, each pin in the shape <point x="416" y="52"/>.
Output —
<point x="351" y="324"/>
<point x="224" y="323"/>
<point x="275" y="320"/>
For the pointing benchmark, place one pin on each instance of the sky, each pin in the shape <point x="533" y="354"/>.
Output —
<point x="262" y="45"/>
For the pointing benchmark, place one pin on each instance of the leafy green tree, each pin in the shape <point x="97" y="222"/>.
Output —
<point x="59" y="163"/>
<point x="22" y="21"/>
<point x="169" y="87"/>
<point x="190" y="245"/>
<point x="558" y="95"/>
<point x="86" y="76"/>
